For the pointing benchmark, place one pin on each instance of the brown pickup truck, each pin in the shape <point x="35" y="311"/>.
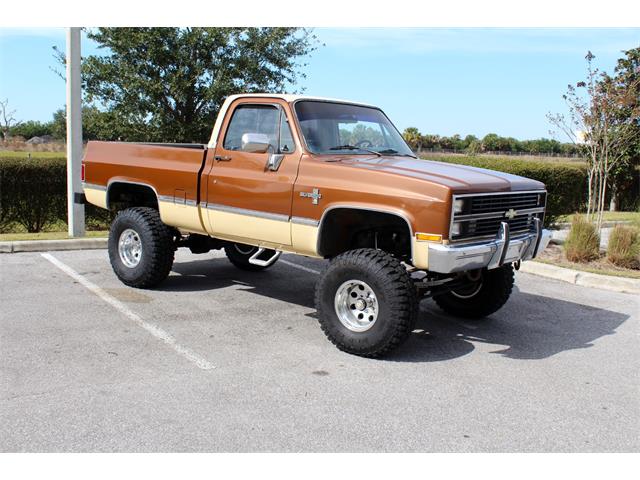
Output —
<point x="328" y="179"/>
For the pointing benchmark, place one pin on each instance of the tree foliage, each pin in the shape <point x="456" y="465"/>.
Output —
<point x="602" y="119"/>
<point x="626" y="78"/>
<point x="491" y="142"/>
<point x="95" y="124"/>
<point x="167" y="84"/>
<point x="31" y="128"/>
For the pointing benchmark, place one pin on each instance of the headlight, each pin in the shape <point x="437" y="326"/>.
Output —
<point x="458" y="205"/>
<point x="455" y="229"/>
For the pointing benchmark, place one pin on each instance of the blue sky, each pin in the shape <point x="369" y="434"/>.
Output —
<point x="440" y="80"/>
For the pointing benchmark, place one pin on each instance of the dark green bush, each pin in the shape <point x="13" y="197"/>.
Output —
<point x="566" y="182"/>
<point x="583" y="242"/>
<point x="33" y="194"/>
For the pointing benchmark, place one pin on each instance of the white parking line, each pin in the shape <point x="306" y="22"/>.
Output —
<point x="306" y="269"/>
<point x="154" y="330"/>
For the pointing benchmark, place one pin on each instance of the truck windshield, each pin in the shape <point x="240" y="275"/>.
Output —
<point x="329" y="128"/>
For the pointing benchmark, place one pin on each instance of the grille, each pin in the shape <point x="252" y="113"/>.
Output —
<point x="481" y="215"/>
<point x="502" y="203"/>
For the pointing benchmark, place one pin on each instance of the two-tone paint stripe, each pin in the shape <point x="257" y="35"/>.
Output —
<point x="280" y="217"/>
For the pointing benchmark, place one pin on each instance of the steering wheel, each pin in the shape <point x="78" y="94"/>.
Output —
<point x="364" y="144"/>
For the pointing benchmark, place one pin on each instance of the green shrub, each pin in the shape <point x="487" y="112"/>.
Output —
<point x="566" y="182"/>
<point x="624" y="247"/>
<point x="33" y="194"/>
<point x="583" y="242"/>
<point x="33" y="190"/>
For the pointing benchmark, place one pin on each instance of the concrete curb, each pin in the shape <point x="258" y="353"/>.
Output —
<point x="584" y="279"/>
<point x="52" y="245"/>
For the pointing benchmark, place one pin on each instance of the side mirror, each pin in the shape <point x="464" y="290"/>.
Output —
<point x="255" y="143"/>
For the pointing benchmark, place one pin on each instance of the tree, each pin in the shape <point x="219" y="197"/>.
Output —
<point x="167" y="84"/>
<point x="627" y="79"/>
<point x="471" y="139"/>
<point x="602" y="122"/>
<point x="474" y="147"/>
<point x="31" y="128"/>
<point x="491" y="142"/>
<point x="413" y="137"/>
<point x="7" y="119"/>
<point x="96" y="124"/>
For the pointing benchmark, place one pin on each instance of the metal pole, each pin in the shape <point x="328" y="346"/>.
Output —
<point x="75" y="206"/>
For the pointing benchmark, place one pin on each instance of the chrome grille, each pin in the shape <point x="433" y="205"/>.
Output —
<point x="498" y="203"/>
<point x="482" y="214"/>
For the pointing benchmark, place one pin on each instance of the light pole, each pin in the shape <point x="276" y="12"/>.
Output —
<point x="75" y="204"/>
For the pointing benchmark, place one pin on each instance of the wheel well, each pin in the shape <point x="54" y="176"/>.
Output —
<point x="345" y="229"/>
<point x="122" y="195"/>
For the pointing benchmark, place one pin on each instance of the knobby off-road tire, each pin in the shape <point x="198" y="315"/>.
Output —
<point x="352" y="285"/>
<point x="239" y="254"/>
<point x="141" y="247"/>
<point x="484" y="299"/>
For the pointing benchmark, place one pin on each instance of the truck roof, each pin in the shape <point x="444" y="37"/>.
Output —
<point x="287" y="97"/>
<point x="283" y="96"/>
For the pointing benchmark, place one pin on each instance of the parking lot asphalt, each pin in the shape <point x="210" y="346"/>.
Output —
<point x="217" y="359"/>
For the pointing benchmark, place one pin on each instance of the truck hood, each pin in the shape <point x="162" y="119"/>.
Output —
<point x="458" y="178"/>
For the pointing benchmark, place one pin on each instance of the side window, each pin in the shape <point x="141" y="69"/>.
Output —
<point x="252" y="119"/>
<point x="287" y="145"/>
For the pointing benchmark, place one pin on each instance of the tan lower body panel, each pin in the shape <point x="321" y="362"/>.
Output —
<point x="237" y="225"/>
<point x="183" y="217"/>
<point x="263" y="232"/>
<point x="305" y="239"/>
<point x="96" y="197"/>
<point x="420" y="254"/>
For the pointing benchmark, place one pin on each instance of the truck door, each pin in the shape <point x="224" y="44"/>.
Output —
<point x="250" y="187"/>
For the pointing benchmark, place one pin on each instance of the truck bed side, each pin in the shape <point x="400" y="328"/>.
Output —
<point x="113" y="170"/>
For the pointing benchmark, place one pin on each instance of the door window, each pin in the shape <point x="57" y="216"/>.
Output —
<point x="265" y="119"/>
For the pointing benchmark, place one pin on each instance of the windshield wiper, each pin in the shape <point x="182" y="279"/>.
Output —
<point x="395" y="153"/>
<point x="353" y="147"/>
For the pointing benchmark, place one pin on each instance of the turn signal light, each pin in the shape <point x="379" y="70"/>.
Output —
<point x="428" y="237"/>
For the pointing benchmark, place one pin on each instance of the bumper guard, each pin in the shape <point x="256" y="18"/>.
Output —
<point x="493" y="254"/>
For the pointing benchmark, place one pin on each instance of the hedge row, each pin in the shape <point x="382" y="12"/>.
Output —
<point x="566" y="182"/>
<point x="33" y="194"/>
<point x="33" y="191"/>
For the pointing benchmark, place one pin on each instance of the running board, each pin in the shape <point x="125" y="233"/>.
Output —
<point x="261" y="262"/>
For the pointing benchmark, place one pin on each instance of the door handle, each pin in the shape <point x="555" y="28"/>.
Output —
<point x="221" y="158"/>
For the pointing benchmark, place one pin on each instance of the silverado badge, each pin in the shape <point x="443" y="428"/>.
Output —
<point x="315" y="195"/>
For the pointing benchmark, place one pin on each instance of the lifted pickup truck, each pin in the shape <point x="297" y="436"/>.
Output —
<point x="328" y="179"/>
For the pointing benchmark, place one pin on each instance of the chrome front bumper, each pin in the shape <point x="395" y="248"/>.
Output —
<point x="493" y="254"/>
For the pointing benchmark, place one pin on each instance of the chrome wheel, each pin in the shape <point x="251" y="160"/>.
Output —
<point x="130" y="248"/>
<point x="356" y="305"/>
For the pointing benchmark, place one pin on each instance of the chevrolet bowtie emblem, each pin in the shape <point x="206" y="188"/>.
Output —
<point x="511" y="214"/>
<point x="315" y="195"/>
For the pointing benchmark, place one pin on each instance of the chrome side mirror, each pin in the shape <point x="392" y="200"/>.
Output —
<point x="255" y="143"/>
